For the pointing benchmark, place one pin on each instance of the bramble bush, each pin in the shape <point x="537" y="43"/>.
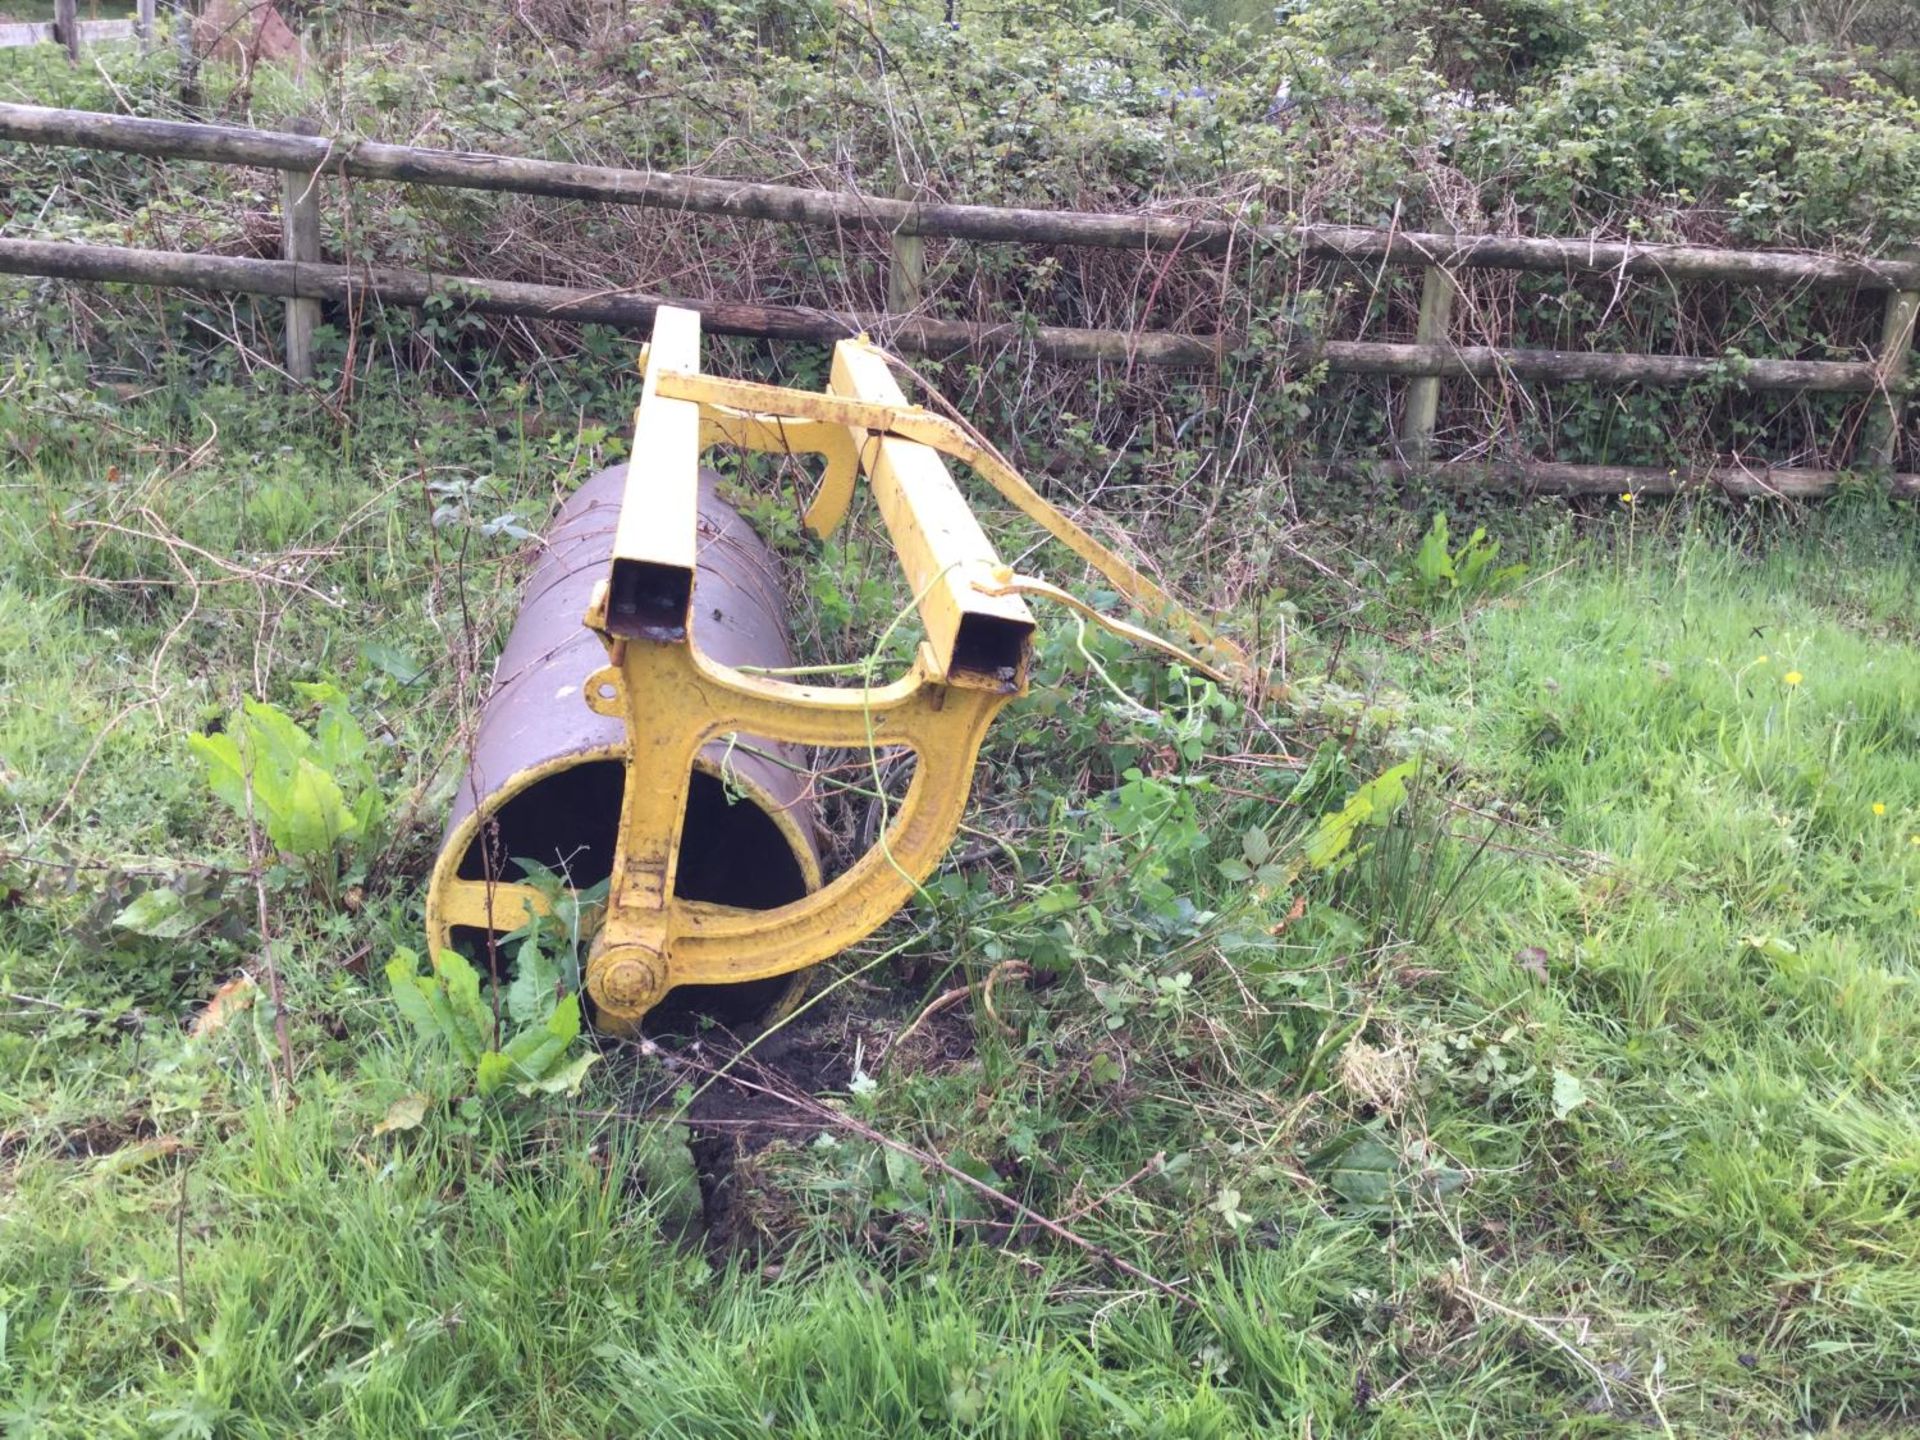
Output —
<point x="1652" y="119"/>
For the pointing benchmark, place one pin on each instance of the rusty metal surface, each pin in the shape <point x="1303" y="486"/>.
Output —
<point x="536" y="713"/>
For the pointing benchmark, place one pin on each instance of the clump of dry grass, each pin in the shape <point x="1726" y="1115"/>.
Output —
<point x="1381" y="1077"/>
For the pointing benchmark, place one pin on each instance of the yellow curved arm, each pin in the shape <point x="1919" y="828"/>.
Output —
<point x="694" y="943"/>
<point x="792" y="435"/>
<point x="675" y="700"/>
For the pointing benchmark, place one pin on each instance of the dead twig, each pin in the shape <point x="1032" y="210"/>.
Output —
<point x="173" y="544"/>
<point x="1152" y="1167"/>
<point x="86" y="762"/>
<point x="129" y="1020"/>
<point x="1016" y="969"/>
<point x="938" y="1003"/>
<point x="275" y="991"/>
<point x="952" y="997"/>
<point x="1540" y="1327"/>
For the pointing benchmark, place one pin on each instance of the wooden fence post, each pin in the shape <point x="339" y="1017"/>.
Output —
<point x="66" y="26"/>
<point x="1422" y="405"/>
<point x="183" y="48"/>
<point x="907" y="264"/>
<point x="1882" y="440"/>
<point x="300" y="240"/>
<point x="144" y="17"/>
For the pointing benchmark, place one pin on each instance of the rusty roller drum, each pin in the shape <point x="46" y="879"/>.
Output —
<point x="547" y="773"/>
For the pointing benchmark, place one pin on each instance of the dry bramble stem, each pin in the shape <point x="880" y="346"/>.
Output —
<point x="827" y="1115"/>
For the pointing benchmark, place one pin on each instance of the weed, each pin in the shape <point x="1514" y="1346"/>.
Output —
<point x="446" y="1005"/>
<point x="315" y="794"/>
<point x="1440" y="572"/>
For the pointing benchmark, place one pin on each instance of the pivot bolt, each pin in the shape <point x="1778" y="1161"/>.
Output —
<point x="625" y="982"/>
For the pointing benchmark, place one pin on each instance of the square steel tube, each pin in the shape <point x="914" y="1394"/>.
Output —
<point x="650" y="582"/>
<point x="978" y="640"/>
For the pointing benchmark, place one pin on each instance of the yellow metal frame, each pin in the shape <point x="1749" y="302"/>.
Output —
<point x="674" y="699"/>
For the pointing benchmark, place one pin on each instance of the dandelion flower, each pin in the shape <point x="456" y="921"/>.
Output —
<point x="1627" y="497"/>
<point x="1878" y="808"/>
<point x="1793" y="677"/>
<point x="1761" y="661"/>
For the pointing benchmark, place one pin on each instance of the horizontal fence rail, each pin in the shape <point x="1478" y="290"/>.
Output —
<point x="301" y="280"/>
<point x="753" y="200"/>
<point x="1547" y="477"/>
<point x="297" y="279"/>
<point x="289" y="279"/>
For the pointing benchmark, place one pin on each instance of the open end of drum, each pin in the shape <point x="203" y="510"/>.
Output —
<point x="731" y="853"/>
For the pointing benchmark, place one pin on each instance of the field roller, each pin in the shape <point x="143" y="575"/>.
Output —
<point x="657" y="747"/>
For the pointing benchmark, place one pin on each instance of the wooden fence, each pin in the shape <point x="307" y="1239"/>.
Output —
<point x="68" y="29"/>
<point x="303" y="281"/>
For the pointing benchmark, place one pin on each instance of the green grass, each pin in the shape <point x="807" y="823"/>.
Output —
<point x="1598" y="1117"/>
